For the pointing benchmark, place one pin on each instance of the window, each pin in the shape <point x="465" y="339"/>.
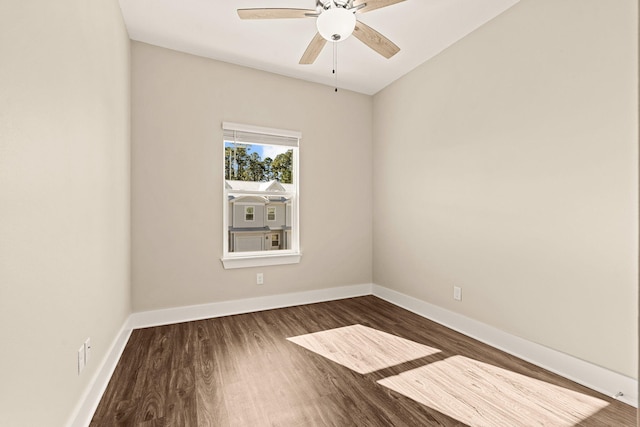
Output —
<point x="271" y="213"/>
<point x="248" y="213"/>
<point x="260" y="206"/>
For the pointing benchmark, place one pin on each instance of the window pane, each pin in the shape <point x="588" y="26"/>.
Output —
<point x="260" y="189"/>
<point x="258" y="163"/>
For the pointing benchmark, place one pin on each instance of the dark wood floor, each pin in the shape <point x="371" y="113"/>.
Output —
<point x="243" y="371"/>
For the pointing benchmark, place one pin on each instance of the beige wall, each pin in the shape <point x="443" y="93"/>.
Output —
<point x="508" y="166"/>
<point x="64" y="200"/>
<point x="178" y="104"/>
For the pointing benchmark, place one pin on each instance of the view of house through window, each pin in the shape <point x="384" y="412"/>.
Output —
<point x="260" y="193"/>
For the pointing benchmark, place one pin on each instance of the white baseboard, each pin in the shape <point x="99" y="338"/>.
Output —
<point x="595" y="377"/>
<point x="587" y="374"/>
<point x="226" y="308"/>
<point x="91" y="398"/>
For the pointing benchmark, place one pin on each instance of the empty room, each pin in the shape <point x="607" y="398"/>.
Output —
<point x="319" y="213"/>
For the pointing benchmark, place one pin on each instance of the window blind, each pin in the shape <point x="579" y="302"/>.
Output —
<point x="247" y="134"/>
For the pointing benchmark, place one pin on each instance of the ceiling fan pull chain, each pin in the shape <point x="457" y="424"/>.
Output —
<point x="335" y="64"/>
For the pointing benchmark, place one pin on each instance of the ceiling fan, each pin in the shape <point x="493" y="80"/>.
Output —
<point x="335" y="22"/>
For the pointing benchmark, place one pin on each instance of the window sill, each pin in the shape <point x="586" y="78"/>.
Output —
<point x="260" y="260"/>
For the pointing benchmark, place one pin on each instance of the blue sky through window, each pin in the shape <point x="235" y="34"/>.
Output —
<point x="263" y="151"/>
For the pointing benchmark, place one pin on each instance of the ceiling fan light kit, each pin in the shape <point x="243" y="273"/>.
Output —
<point x="336" y="24"/>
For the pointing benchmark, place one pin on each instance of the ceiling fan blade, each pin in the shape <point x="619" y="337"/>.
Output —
<point x="375" y="40"/>
<point x="274" y="13"/>
<point x="374" y="4"/>
<point x="313" y="50"/>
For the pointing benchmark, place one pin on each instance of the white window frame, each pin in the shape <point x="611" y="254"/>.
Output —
<point x="264" y="136"/>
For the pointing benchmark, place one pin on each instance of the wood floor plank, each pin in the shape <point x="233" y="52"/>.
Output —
<point x="181" y="400"/>
<point x="247" y="370"/>
<point x="210" y="405"/>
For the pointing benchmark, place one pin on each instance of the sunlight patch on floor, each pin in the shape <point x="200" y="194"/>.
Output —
<point x="480" y="394"/>
<point x="363" y="349"/>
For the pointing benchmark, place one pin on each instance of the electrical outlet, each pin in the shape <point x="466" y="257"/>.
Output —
<point x="457" y="293"/>
<point x="87" y="350"/>
<point x="259" y="279"/>
<point x="81" y="359"/>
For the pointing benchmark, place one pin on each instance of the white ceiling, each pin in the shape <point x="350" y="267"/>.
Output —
<point x="212" y="28"/>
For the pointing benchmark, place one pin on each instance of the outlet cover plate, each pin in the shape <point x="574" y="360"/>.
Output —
<point x="81" y="359"/>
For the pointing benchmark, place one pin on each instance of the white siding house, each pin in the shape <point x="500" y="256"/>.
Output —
<point x="259" y="215"/>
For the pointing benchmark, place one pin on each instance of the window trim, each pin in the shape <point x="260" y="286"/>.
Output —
<point x="260" y="260"/>
<point x="265" y="136"/>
